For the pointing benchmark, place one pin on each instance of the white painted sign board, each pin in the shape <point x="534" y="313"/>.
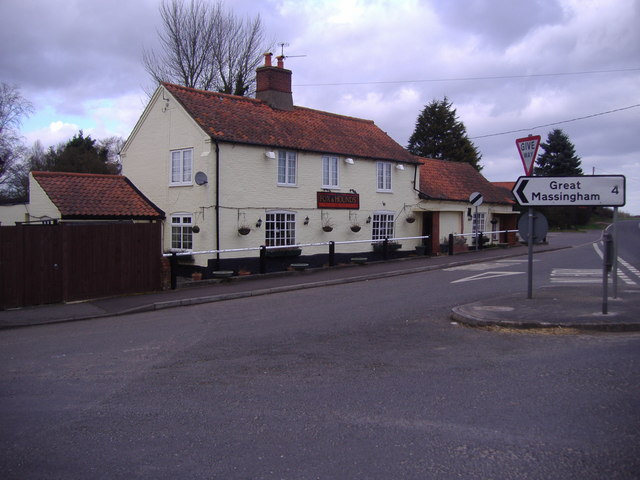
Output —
<point x="588" y="190"/>
<point x="528" y="150"/>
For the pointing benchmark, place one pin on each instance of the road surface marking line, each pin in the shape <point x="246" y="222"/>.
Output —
<point x="486" y="275"/>
<point x="627" y="265"/>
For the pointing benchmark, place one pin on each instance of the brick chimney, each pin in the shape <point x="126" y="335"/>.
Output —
<point x="273" y="84"/>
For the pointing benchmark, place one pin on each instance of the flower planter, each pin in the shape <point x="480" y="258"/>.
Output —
<point x="392" y="247"/>
<point x="355" y="228"/>
<point x="411" y="219"/>
<point x="327" y="228"/>
<point x="283" y="252"/>
<point x="244" y="230"/>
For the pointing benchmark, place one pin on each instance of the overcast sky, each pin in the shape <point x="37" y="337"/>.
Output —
<point x="507" y="65"/>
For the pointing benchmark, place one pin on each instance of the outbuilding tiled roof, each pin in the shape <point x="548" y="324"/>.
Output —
<point x="92" y="196"/>
<point x="508" y="185"/>
<point x="456" y="181"/>
<point x="235" y="119"/>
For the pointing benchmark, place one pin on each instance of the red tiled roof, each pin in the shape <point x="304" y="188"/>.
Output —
<point x="84" y="196"/>
<point x="508" y="185"/>
<point x="456" y="181"/>
<point x="237" y="119"/>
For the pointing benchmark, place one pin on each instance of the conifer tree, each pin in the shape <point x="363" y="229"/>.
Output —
<point x="440" y="135"/>
<point x="559" y="157"/>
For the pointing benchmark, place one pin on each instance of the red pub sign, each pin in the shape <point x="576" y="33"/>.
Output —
<point x="349" y="201"/>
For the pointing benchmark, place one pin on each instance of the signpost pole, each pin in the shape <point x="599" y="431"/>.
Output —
<point x="475" y="200"/>
<point x="605" y="283"/>
<point x="476" y="229"/>
<point x="615" y="253"/>
<point x="607" y="262"/>
<point x="530" y="257"/>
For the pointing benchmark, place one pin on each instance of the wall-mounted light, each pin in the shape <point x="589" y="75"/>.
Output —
<point x="349" y="161"/>
<point x="270" y="154"/>
<point x="400" y="166"/>
<point x="352" y="190"/>
<point x="369" y="219"/>
<point x="259" y="223"/>
<point x="306" y="220"/>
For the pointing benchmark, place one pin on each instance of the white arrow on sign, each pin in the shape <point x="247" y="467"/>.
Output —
<point x="528" y="150"/>
<point x="592" y="190"/>
<point x="486" y="275"/>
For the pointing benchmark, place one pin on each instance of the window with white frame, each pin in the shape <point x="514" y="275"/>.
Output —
<point x="478" y="222"/>
<point x="382" y="225"/>
<point x="287" y="166"/>
<point x="478" y="226"/>
<point x="329" y="171"/>
<point x="280" y="229"/>
<point x="182" y="231"/>
<point x="384" y="176"/>
<point x="181" y="166"/>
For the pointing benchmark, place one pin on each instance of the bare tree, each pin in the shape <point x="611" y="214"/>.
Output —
<point x="16" y="186"/>
<point x="113" y="145"/>
<point x="13" y="107"/>
<point x="205" y="47"/>
<point x="237" y="54"/>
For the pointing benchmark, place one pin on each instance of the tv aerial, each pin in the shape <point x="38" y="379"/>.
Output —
<point x="284" y="44"/>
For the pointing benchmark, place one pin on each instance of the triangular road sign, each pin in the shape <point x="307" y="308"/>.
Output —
<point x="528" y="150"/>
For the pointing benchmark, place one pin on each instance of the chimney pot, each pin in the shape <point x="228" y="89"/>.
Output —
<point x="267" y="59"/>
<point x="280" y="61"/>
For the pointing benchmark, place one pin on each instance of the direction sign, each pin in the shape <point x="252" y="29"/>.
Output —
<point x="588" y="190"/>
<point x="476" y="199"/>
<point x="528" y="150"/>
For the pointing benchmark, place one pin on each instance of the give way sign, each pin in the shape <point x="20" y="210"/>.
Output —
<point x="528" y="150"/>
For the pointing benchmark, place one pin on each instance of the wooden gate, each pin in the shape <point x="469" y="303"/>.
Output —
<point x="55" y="263"/>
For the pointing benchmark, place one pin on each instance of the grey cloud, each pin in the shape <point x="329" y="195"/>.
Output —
<point x="86" y="46"/>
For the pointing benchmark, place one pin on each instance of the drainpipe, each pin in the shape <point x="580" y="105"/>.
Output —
<point x="217" y="203"/>
<point x="415" y="178"/>
<point x="423" y="195"/>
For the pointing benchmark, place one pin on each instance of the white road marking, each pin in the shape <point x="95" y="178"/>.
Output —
<point x="474" y="267"/>
<point x="621" y="273"/>
<point x="576" y="272"/>
<point x="576" y="275"/>
<point x="629" y="267"/>
<point x="486" y="275"/>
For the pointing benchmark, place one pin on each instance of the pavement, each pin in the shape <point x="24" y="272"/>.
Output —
<point x="568" y="307"/>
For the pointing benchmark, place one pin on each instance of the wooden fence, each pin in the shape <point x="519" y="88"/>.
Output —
<point x="60" y="263"/>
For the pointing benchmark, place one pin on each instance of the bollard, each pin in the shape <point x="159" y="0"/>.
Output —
<point x="263" y="259"/>
<point x="450" y="246"/>
<point x="332" y="253"/>
<point x="173" y="262"/>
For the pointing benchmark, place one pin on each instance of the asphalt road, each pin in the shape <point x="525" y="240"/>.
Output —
<point x="629" y="243"/>
<point x="367" y="380"/>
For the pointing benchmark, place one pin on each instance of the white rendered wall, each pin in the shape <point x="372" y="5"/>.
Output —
<point x="248" y="187"/>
